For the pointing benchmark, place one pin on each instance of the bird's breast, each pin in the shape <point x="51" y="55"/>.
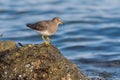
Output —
<point x="45" y="33"/>
<point x="53" y="28"/>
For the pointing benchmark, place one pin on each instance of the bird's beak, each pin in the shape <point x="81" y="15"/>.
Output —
<point x="62" y="23"/>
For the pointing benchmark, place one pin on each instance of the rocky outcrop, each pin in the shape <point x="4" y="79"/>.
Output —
<point x="35" y="62"/>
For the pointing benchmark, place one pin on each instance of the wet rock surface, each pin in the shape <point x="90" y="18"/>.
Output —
<point x="35" y="62"/>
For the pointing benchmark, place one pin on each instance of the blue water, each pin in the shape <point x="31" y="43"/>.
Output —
<point x="90" y="37"/>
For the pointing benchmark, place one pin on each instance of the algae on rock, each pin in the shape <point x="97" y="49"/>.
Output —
<point x="7" y="45"/>
<point x="35" y="62"/>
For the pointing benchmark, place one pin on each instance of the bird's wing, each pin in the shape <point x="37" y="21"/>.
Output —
<point x="40" y="26"/>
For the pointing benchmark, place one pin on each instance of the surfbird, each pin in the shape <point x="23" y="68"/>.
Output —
<point x="46" y="28"/>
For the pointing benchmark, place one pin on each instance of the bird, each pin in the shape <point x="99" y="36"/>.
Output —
<point x="46" y="28"/>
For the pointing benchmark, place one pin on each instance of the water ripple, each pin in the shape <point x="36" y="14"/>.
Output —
<point x="90" y="36"/>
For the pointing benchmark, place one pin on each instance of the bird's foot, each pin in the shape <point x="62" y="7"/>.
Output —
<point x="47" y="44"/>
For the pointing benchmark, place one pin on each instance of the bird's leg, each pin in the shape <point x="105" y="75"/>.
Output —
<point x="45" y="41"/>
<point x="43" y="38"/>
<point x="48" y="39"/>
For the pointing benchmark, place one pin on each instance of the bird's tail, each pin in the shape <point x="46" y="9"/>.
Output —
<point x="29" y="25"/>
<point x="32" y="26"/>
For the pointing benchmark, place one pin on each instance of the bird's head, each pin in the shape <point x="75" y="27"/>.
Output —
<point x="57" y="20"/>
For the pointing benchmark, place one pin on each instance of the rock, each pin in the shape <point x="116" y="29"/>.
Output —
<point x="7" y="45"/>
<point x="36" y="62"/>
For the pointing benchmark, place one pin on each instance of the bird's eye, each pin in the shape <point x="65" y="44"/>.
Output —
<point x="58" y="19"/>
